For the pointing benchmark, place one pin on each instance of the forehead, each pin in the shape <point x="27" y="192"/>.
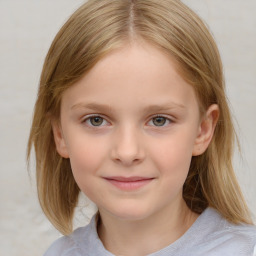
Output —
<point x="135" y="74"/>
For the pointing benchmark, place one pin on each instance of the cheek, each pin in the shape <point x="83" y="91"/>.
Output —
<point x="173" y="155"/>
<point x="86" y="157"/>
<point x="172" y="159"/>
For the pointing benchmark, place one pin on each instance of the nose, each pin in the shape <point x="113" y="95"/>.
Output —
<point x="128" y="148"/>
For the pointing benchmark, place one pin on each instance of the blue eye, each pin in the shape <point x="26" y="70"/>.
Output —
<point x="160" y="121"/>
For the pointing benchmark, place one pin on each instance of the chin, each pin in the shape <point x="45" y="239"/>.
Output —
<point x="130" y="213"/>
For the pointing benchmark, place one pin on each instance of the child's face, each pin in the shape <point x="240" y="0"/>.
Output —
<point x="130" y="128"/>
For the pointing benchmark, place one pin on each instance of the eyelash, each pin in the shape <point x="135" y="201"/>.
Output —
<point x="167" y="120"/>
<point x="88" y="118"/>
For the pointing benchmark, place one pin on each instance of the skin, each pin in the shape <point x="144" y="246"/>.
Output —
<point x="125" y="139"/>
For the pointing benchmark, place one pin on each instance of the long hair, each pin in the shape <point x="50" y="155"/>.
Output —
<point x="94" y="30"/>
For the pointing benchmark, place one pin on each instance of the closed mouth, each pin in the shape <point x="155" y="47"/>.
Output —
<point x="129" y="183"/>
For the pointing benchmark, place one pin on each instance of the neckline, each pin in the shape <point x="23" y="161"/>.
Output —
<point x="170" y="248"/>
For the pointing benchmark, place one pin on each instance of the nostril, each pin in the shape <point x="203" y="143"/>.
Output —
<point x="127" y="162"/>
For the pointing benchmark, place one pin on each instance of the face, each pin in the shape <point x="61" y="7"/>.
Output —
<point x="130" y="127"/>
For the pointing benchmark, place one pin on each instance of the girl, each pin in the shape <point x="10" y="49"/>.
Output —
<point x="132" y="112"/>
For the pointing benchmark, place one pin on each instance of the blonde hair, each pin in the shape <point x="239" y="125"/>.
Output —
<point x="94" y="30"/>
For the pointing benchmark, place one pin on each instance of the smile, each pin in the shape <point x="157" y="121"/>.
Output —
<point x="129" y="183"/>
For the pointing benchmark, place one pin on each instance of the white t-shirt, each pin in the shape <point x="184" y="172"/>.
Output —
<point x="210" y="235"/>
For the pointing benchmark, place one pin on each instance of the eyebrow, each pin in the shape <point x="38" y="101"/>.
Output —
<point x="105" y="107"/>
<point x="93" y="106"/>
<point x="164" y="107"/>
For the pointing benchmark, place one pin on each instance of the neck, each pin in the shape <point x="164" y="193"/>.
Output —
<point x="143" y="237"/>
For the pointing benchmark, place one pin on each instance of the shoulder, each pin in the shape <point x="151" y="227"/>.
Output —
<point x="81" y="240"/>
<point x="241" y="239"/>
<point x="220" y="226"/>
<point x="225" y="238"/>
<point x="67" y="245"/>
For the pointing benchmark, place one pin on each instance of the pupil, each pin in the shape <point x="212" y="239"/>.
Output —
<point x="96" y="121"/>
<point x="159" y="121"/>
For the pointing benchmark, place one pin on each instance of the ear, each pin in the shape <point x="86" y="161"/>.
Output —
<point x="206" y="130"/>
<point x="59" y="139"/>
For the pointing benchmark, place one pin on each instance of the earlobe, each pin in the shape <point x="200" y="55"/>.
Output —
<point x="59" y="139"/>
<point x="206" y="130"/>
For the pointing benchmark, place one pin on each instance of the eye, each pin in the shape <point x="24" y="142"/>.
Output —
<point x="95" y="121"/>
<point x="160" y="121"/>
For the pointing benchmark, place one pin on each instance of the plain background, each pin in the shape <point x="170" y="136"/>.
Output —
<point x="27" y="28"/>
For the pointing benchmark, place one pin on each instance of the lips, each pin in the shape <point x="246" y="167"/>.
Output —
<point x="129" y="183"/>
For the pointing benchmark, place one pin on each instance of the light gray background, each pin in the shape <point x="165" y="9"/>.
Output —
<point x="27" y="28"/>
